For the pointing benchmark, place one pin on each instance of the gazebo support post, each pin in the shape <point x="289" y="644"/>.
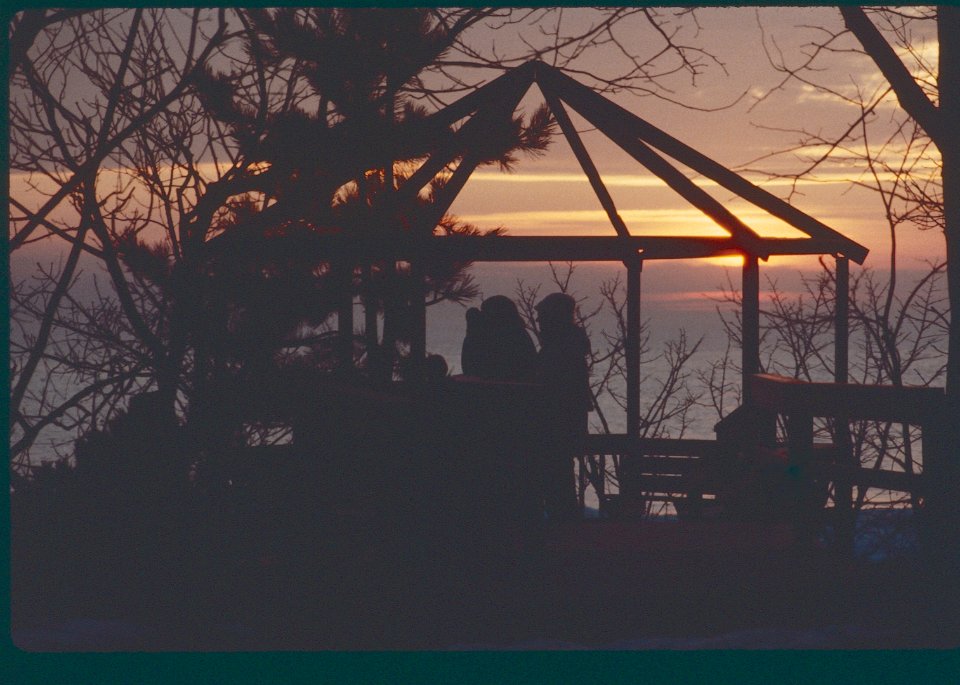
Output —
<point x="843" y="486"/>
<point x="750" y="322"/>
<point x="344" y="278"/>
<point x="418" y="313"/>
<point x="630" y="481"/>
<point x="632" y="347"/>
<point x="841" y="344"/>
<point x="370" y="323"/>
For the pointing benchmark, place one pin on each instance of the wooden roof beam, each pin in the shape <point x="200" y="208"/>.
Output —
<point x="490" y="99"/>
<point x="475" y="100"/>
<point x="493" y="114"/>
<point x="545" y="248"/>
<point x="579" y="97"/>
<point x="629" y="126"/>
<point x="586" y="163"/>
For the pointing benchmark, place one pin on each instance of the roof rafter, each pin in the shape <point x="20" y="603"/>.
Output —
<point x="611" y="118"/>
<point x="683" y="186"/>
<point x="490" y="104"/>
<point x="492" y="114"/>
<point x="586" y="163"/>
<point x="496" y="100"/>
<point x="501" y="248"/>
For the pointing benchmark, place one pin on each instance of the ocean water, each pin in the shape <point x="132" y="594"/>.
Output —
<point x="666" y="312"/>
<point x="676" y="299"/>
<point x="669" y="305"/>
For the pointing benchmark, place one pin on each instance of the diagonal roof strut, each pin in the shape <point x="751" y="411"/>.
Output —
<point x="686" y="188"/>
<point x="499" y="98"/>
<point x="492" y="114"/>
<point x="586" y="163"/>
<point x="623" y="126"/>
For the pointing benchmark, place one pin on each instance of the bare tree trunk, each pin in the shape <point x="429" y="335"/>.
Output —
<point x="946" y="512"/>
<point x="949" y="86"/>
<point x="936" y="120"/>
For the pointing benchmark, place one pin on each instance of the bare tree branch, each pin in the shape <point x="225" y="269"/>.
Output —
<point x="911" y="96"/>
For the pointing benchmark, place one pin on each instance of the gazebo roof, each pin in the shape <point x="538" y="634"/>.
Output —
<point x="640" y="139"/>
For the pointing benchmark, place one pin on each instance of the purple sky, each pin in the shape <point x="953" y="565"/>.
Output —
<point x="551" y="196"/>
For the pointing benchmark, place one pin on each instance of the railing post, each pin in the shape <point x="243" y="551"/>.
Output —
<point x="370" y="323"/>
<point x="799" y="426"/>
<point x="940" y="518"/>
<point x="750" y="322"/>
<point x="843" y="485"/>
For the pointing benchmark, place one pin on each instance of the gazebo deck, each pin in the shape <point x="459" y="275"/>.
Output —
<point x="659" y="536"/>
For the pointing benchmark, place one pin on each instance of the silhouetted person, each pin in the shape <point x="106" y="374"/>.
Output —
<point x="472" y="350"/>
<point x="139" y="455"/>
<point x="562" y="371"/>
<point x="434" y="368"/>
<point x="497" y="345"/>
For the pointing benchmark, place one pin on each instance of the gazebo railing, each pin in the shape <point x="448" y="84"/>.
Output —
<point x="672" y="469"/>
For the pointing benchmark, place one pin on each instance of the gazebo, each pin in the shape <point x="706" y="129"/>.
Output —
<point x="415" y="503"/>
<point x="647" y="144"/>
<point x="486" y="108"/>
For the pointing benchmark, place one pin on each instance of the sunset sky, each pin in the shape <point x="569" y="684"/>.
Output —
<point x="734" y="113"/>
<point x="550" y="195"/>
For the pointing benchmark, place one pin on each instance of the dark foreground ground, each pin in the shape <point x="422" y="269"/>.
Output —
<point x="373" y="536"/>
<point x="589" y="585"/>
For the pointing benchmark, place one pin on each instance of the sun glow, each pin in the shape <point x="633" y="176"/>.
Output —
<point x="689" y="222"/>
<point x="734" y="260"/>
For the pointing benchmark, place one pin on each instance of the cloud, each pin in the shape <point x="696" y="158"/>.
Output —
<point x="650" y="181"/>
<point x="686" y="221"/>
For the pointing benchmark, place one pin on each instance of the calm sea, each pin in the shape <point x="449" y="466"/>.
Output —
<point x="676" y="298"/>
<point x="666" y="310"/>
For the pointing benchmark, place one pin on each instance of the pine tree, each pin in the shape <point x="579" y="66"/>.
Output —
<point x="330" y="158"/>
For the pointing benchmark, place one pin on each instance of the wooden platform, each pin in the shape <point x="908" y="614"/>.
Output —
<point x="652" y="537"/>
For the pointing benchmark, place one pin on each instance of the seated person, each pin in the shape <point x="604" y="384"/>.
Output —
<point x="497" y="345"/>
